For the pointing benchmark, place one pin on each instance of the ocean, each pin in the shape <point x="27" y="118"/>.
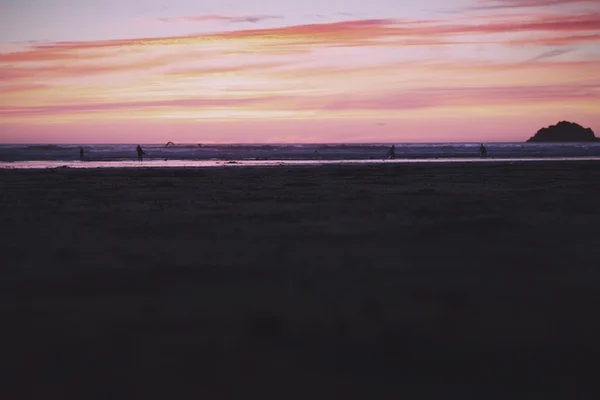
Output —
<point x="124" y="155"/>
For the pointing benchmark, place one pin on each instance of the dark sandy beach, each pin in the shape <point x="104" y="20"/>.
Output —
<point x="416" y="281"/>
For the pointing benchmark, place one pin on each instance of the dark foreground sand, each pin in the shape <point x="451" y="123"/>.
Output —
<point x="376" y="282"/>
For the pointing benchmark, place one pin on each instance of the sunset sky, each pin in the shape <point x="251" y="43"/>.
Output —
<point x="222" y="71"/>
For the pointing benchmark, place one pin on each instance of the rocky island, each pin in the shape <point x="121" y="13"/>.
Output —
<point x="564" y="131"/>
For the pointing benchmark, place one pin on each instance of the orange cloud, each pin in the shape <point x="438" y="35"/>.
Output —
<point x="21" y="87"/>
<point x="421" y="98"/>
<point x="330" y="70"/>
<point x="379" y="28"/>
<point x="76" y="70"/>
<point x="555" y="40"/>
<point x="50" y="52"/>
<point x="201" y="71"/>
<point x="347" y="33"/>
<point x="100" y="107"/>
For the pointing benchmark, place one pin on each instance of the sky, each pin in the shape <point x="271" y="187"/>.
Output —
<point x="279" y="71"/>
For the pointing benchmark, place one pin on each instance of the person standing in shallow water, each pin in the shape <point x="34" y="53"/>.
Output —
<point x="392" y="152"/>
<point x="81" y="153"/>
<point x="482" y="150"/>
<point x="140" y="153"/>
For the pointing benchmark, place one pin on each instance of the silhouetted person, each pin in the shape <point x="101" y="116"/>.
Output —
<point x="482" y="151"/>
<point x="81" y="153"/>
<point x="392" y="152"/>
<point x="140" y="153"/>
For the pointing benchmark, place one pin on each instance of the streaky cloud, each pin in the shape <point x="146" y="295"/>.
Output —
<point x="507" y="4"/>
<point x="346" y="33"/>
<point x="351" y="69"/>
<point x="108" y="106"/>
<point x="218" y="17"/>
<point x="422" y="98"/>
<point x="551" y="54"/>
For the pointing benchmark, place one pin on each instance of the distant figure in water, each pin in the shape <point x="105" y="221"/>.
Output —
<point x="81" y="153"/>
<point x="140" y="153"/>
<point x="392" y="152"/>
<point x="316" y="153"/>
<point x="482" y="150"/>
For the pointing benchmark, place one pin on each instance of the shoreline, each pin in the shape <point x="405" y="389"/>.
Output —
<point x="274" y="163"/>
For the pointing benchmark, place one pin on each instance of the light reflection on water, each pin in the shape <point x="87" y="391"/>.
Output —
<point x="263" y="163"/>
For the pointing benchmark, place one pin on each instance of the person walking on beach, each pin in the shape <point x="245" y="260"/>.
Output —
<point x="81" y="153"/>
<point x="482" y="150"/>
<point x="392" y="152"/>
<point x="140" y="153"/>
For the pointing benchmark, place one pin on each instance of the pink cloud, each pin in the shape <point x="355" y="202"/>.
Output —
<point x="49" y="52"/>
<point x="438" y="129"/>
<point x="21" y="87"/>
<point x="555" y="40"/>
<point x="422" y="98"/>
<point x="542" y="61"/>
<point x="367" y="30"/>
<point x="500" y="4"/>
<point x="77" y="70"/>
<point x="200" y="71"/>
<point x="217" y="17"/>
<point x="467" y="97"/>
<point x="541" y="23"/>
<point x="182" y="71"/>
<point x="346" y="33"/>
<point x="132" y="105"/>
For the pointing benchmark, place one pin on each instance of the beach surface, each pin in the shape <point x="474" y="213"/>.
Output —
<point x="466" y="280"/>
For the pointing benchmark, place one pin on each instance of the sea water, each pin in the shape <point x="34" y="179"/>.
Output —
<point x="182" y="155"/>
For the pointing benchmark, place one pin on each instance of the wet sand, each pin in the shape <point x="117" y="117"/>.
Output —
<point x="418" y="280"/>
